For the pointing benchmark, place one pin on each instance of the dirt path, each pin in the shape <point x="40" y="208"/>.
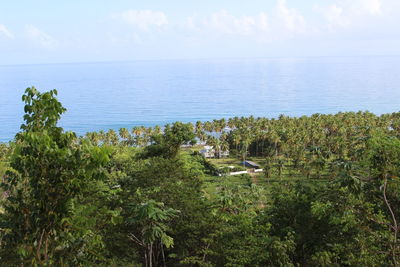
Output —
<point x="254" y="177"/>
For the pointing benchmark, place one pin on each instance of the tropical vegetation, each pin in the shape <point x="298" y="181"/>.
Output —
<point x="328" y="195"/>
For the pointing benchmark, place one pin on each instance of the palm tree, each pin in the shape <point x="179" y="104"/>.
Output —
<point x="215" y="143"/>
<point x="137" y="135"/>
<point x="112" y="137"/>
<point x="93" y="137"/>
<point x="208" y="127"/>
<point x="224" y="142"/>
<point x="125" y="136"/>
<point x="198" y="130"/>
<point x="102" y="137"/>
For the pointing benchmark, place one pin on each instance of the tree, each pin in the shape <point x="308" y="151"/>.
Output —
<point x="169" y="142"/>
<point x="126" y="137"/>
<point x="112" y="138"/>
<point x="383" y="160"/>
<point x="331" y="224"/>
<point x="176" y="182"/>
<point x="50" y="169"/>
<point x="151" y="218"/>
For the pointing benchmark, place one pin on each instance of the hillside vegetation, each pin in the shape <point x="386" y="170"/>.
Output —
<point x="328" y="195"/>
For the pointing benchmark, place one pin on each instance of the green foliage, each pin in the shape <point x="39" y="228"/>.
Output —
<point x="209" y="167"/>
<point x="382" y="155"/>
<point x="169" y="142"/>
<point x="151" y="217"/>
<point x="133" y="198"/>
<point x="50" y="170"/>
<point x="5" y="151"/>
<point x="176" y="183"/>
<point x="42" y="111"/>
<point x="332" y="225"/>
<point x="243" y="241"/>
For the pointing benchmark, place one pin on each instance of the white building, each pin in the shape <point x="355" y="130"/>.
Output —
<point x="209" y="152"/>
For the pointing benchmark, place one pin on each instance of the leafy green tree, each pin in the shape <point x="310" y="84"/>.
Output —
<point x="151" y="218"/>
<point x="332" y="224"/>
<point x="176" y="182"/>
<point x="382" y="159"/>
<point x="168" y="143"/>
<point x="50" y="170"/>
<point x="242" y="240"/>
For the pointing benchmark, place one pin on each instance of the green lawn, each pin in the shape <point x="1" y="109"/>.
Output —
<point x="224" y="162"/>
<point x="289" y="174"/>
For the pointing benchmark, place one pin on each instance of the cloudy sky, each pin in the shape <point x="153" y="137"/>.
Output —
<point x="48" y="31"/>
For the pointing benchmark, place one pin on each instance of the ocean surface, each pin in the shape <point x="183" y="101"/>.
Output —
<point x="125" y="94"/>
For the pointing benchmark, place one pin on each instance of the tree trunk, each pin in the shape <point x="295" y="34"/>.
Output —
<point x="151" y="256"/>
<point x="394" y="226"/>
<point x="163" y="255"/>
<point x="145" y="259"/>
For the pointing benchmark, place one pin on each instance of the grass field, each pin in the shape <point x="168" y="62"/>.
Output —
<point x="289" y="174"/>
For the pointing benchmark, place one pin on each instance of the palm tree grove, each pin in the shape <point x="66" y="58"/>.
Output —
<point x="319" y="190"/>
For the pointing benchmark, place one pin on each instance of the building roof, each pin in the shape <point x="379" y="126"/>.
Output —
<point x="252" y="164"/>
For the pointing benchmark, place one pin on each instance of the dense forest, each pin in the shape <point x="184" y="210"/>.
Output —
<point x="328" y="195"/>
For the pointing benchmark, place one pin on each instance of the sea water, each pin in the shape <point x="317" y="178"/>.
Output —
<point x="111" y="95"/>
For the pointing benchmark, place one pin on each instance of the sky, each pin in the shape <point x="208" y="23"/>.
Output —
<point x="48" y="31"/>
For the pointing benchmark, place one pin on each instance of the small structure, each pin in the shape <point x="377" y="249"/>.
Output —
<point x="251" y="164"/>
<point x="237" y="173"/>
<point x="208" y="152"/>
<point x="224" y="153"/>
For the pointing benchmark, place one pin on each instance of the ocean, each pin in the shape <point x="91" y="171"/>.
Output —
<point x="111" y="95"/>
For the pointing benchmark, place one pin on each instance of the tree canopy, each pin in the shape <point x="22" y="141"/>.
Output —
<point x="328" y="194"/>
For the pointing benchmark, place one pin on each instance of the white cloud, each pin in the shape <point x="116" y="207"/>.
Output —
<point x="224" y="22"/>
<point x="5" y="32"/>
<point x="341" y="19"/>
<point x="347" y="13"/>
<point x="335" y="16"/>
<point x="282" y="23"/>
<point x="291" y="18"/>
<point x="373" y="7"/>
<point x="143" y="19"/>
<point x="40" y="37"/>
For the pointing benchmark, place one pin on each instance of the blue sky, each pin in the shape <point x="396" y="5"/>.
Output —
<point x="45" y="31"/>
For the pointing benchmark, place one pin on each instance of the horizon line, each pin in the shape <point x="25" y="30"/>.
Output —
<point x="194" y="59"/>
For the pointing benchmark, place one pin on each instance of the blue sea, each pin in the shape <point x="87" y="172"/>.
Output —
<point x="124" y="94"/>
